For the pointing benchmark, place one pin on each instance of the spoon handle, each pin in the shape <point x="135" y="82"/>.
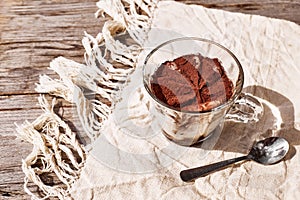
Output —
<point x="191" y="174"/>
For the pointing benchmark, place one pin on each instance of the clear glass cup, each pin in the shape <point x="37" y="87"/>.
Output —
<point x="190" y="127"/>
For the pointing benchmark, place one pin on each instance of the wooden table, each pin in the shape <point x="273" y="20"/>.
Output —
<point x="35" y="32"/>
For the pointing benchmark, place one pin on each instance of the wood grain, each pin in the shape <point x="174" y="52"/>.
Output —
<point x="34" y="32"/>
<point x="288" y="10"/>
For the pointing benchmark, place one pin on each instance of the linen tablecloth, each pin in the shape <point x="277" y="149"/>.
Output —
<point x="126" y="157"/>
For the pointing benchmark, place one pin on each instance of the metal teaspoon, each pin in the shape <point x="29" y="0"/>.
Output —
<point x="268" y="151"/>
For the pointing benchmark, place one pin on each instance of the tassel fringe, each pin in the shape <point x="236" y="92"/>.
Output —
<point x="109" y="62"/>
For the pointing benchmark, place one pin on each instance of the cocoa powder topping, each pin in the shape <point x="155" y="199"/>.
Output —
<point x="192" y="83"/>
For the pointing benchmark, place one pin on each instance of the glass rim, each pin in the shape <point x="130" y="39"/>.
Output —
<point x="238" y="89"/>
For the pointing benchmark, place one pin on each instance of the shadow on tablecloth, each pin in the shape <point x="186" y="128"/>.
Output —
<point x="277" y="120"/>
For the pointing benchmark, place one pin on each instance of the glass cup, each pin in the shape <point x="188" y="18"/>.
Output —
<point x="190" y="127"/>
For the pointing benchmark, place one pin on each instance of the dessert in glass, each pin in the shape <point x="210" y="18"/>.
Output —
<point x="196" y="84"/>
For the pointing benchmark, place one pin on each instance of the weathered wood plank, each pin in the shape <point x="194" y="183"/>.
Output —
<point x="35" y="32"/>
<point x="288" y="10"/>
<point x="32" y="33"/>
<point x="19" y="115"/>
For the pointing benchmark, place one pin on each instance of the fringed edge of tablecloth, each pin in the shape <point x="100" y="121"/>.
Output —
<point x="56" y="150"/>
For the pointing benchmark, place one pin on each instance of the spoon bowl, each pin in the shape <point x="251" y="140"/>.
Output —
<point x="268" y="151"/>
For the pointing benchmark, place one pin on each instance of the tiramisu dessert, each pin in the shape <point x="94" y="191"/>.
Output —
<point x="192" y="83"/>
